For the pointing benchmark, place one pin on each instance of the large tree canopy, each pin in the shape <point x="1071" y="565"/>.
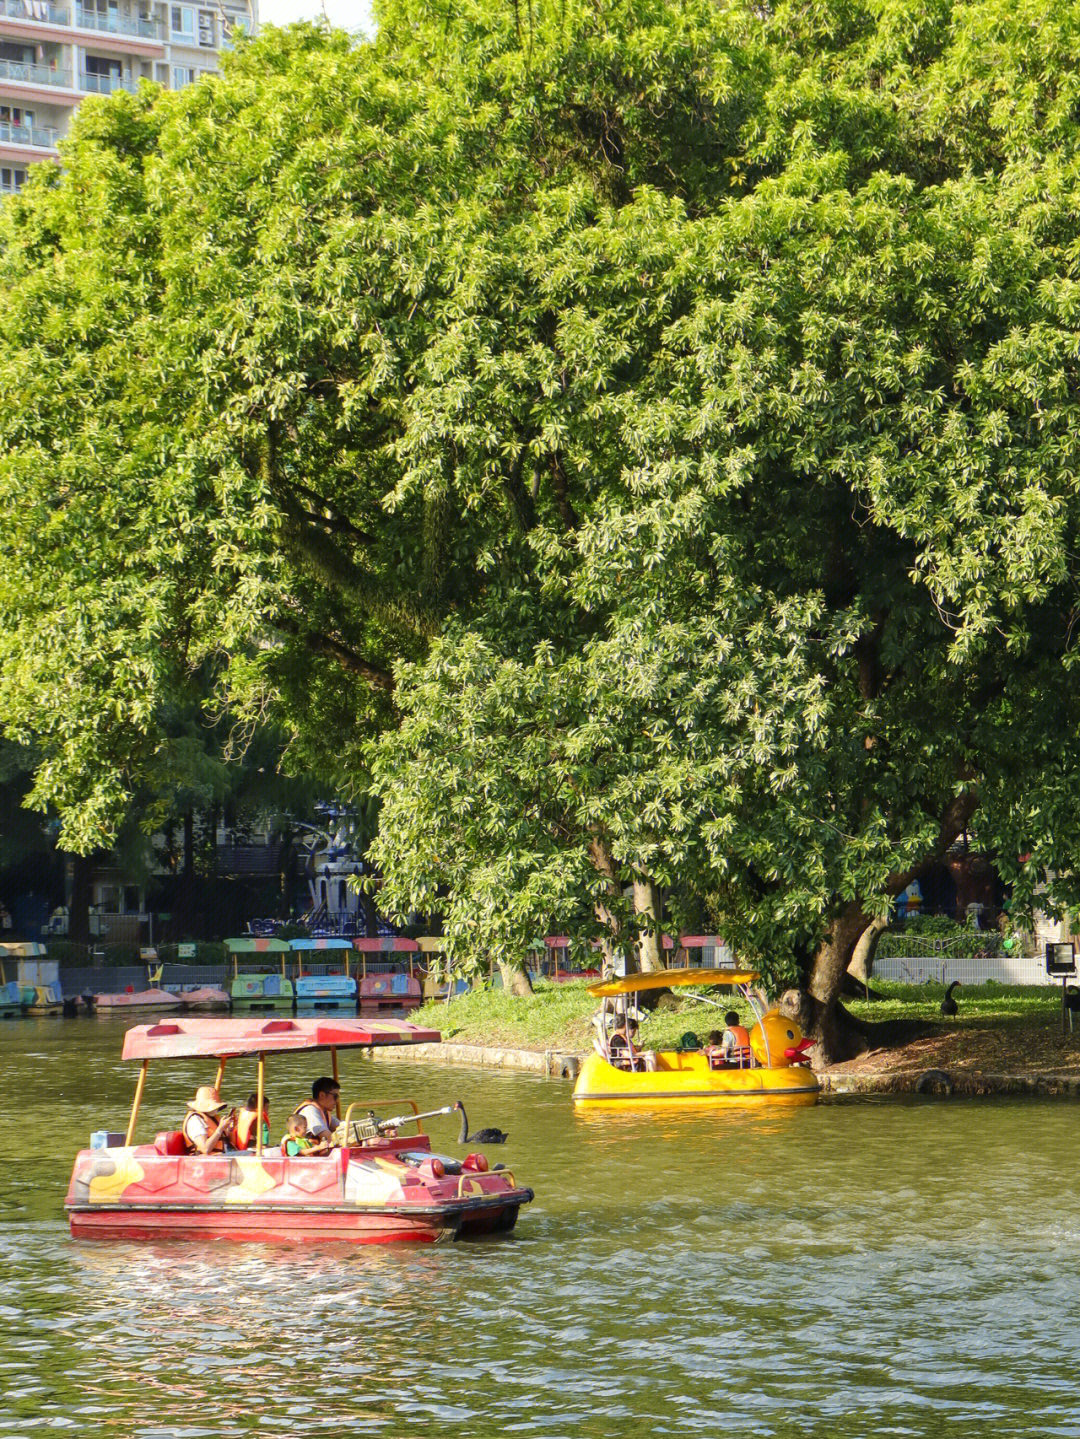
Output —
<point x="638" y="442"/>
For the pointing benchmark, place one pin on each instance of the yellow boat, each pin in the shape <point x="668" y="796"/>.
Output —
<point x="774" y="1072"/>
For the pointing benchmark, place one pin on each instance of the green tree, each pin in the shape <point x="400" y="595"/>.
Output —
<point x="637" y="440"/>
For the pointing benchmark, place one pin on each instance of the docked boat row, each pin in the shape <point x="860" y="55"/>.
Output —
<point x="273" y="976"/>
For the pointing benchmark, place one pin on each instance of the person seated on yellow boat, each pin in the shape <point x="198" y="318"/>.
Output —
<point x="298" y="1142"/>
<point x="320" y="1111"/>
<point x="243" y="1136"/>
<point x="622" y="1047"/>
<point x="713" y="1048"/>
<point x="735" y="1041"/>
<point x="206" y="1125"/>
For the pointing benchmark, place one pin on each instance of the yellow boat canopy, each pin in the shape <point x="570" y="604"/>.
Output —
<point x="670" y="979"/>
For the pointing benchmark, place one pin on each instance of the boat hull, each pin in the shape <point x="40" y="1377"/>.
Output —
<point x="300" y="1226"/>
<point x="364" y="1195"/>
<point x="145" y="1001"/>
<point x="689" y="1081"/>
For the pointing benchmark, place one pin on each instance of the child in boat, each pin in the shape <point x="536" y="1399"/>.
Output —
<point x="244" y="1132"/>
<point x="297" y="1142"/>
<point x="714" y="1048"/>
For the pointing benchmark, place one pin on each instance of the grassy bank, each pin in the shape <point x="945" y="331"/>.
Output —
<point x="557" y="1016"/>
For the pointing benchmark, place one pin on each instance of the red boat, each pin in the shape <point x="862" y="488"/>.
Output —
<point x="382" y="1182"/>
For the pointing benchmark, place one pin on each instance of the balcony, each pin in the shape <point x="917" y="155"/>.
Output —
<point x="114" y="24"/>
<point x="40" y="137"/>
<point x="105" y="84"/>
<point x="34" y="10"/>
<point x="34" y="74"/>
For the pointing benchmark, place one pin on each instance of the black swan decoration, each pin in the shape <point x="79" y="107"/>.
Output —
<point x="482" y="1136"/>
<point x="948" y="1004"/>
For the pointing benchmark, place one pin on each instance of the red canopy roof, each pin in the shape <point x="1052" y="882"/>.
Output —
<point x="214" y="1038"/>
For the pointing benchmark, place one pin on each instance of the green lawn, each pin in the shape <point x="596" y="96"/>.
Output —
<point x="978" y="1004"/>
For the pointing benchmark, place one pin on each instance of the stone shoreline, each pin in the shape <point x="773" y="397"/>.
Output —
<point x="564" y="1064"/>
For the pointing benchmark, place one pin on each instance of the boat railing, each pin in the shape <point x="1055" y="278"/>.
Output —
<point x="470" y="1174"/>
<point x="368" y="1105"/>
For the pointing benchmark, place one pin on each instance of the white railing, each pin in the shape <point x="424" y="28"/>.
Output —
<point x="41" y="137"/>
<point x="944" y="968"/>
<point x="34" y="10"/>
<point x="105" y="84"/>
<point x="115" y="24"/>
<point x="34" y="74"/>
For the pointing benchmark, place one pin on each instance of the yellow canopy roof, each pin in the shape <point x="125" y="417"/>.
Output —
<point x="670" y="979"/>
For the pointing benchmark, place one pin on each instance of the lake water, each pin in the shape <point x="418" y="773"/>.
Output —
<point x="853" y="1269"/>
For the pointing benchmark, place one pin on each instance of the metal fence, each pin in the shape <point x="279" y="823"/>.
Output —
<point x="944" y="968"/>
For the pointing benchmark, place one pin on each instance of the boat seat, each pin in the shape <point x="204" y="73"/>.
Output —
<point x="170" y="1141"/>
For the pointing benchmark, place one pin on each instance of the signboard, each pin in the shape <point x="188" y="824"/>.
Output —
<point x="185" y="951"/>
<point x="1061" y="958"/>
<point x="145" y="954"/>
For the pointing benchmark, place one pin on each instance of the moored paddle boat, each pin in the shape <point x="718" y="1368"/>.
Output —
<point x="137" y="1001"/>
<point x="205" y="997"/>
<point x="255" y="992"/>
<point x="775" y="1071"/>
<point x="382" y="1182"/>
<point x="328" y="993"/>
<point x="38" y="977"/>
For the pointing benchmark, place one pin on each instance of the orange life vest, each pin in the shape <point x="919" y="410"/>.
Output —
<point x="331" y="1126"/>
<point x="211" y="1124"/>
<point x="245" y="1129"/>
<point x="741" y="1053"/>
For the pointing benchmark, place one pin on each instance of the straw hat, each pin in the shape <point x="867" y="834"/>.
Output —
<point x="206" y="1101"/>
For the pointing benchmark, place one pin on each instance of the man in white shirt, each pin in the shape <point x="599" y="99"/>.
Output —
<point x="321" y="1109"/>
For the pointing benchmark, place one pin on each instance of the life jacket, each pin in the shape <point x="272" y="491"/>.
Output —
<point x="315" y="1105"/>
<point x="211" y="1124"/>
<point x="740" y="1053"/>
<point x="302" y="1142"/>
<point x="244" y="1137"/>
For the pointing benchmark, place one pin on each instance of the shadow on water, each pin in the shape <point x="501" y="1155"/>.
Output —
<point x="851" y="1269"/>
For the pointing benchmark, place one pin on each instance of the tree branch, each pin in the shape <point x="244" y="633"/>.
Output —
<point x="348" y="658"/>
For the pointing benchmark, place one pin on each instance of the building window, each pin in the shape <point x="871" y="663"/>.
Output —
<point x="183" y="75"/>
<point x="183" y="22"/>
<point x="11" y="180"/>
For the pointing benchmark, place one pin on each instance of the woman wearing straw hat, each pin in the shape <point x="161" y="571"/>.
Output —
<point x="204" y="1112"/>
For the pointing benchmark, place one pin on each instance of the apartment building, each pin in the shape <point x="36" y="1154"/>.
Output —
<point x="53" y="56"/>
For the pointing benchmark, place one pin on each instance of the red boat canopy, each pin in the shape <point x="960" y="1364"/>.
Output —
<point x="222" y="1038"/>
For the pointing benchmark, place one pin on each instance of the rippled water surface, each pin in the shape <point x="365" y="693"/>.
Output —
<point x="852" y="1269"/>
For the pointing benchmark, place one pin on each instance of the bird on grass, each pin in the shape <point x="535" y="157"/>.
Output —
<point x="948" y="1004"/>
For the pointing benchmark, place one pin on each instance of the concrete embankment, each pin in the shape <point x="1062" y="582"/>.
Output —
<point x="956" y="1082"/>
<point x="564" y="1064"/>
<point x="556" y="1063"/>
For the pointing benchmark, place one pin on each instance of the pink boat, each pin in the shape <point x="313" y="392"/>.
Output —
<point x="159" y="999"/>
<point x="382" y="1183"/>
<point x="205" y="998"/>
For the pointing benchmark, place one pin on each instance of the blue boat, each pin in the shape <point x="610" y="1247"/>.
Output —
<point x="323" y="992"/>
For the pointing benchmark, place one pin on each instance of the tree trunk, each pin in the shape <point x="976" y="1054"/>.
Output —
<point x="515" y="977"/>
<point x="823" y="1019"/>
<point x="607" y="914"/>
<point x="647" y="907"/>
<point x="862" y="961"/>
<point x="79" y="903"/>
